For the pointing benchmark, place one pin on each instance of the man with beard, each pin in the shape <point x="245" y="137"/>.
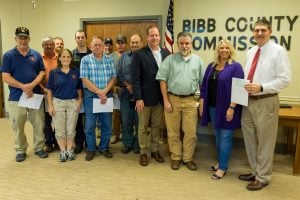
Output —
<point x="180" y="75"/>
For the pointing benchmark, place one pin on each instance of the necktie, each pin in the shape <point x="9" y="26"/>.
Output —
<point x="253" y="65"/>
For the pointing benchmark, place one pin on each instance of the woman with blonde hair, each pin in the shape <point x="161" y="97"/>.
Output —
<point x="215" y="102"/>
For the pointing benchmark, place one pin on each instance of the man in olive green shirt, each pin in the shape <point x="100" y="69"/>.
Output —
<point x="180" y="75"/>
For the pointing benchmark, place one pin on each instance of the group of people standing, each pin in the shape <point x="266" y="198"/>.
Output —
<point x="151" y="85"/>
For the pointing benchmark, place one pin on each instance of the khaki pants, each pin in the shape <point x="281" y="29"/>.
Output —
<point x="259" y="125"/>
<point x="151" y="117"/>
<point x="18" y="117"/>
<point x="65" y="118"/>
<point x="184" y="115"/>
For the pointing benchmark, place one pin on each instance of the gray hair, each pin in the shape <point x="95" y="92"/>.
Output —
<point x="47" y="38"/>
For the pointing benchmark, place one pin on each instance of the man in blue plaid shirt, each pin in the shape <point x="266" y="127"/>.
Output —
<point x="98" y="76"/>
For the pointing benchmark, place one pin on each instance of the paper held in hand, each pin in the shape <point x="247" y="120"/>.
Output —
<point x="33" y="102"/>
<point x="239" y="95"/>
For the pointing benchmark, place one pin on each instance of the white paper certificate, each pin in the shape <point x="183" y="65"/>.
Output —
<point x="238" y="93"/>
<point x="33" y="102"/>
<point x="99" y="108"/>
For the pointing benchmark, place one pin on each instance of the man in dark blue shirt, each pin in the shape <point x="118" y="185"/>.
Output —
<point x="23" y="70"/>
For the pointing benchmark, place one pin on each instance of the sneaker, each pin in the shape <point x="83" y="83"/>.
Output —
<point x="106" y="153"/>
<point x="41" y="154"/>
<point x="63" y="156"/>
<point x="20" y="157"/>
<point x="70" y="155"/>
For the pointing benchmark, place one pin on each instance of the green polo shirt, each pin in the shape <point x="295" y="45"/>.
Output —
<point x="183" y="76"/>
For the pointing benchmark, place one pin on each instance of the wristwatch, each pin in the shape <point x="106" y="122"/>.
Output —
<point x="233" y="108"/>
<point x="261" y="88"/>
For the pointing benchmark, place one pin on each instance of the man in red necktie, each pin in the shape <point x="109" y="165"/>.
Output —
<point x="269" y="71"/>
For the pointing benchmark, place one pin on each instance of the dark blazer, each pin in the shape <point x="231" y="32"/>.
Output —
<point x="143" y="70"/>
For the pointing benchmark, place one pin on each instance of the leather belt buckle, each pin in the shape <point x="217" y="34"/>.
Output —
<point x="181" y="96"/>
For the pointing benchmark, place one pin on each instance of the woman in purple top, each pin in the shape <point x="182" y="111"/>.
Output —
<point x="64" y="103"/>
<point x="215" y="102"/>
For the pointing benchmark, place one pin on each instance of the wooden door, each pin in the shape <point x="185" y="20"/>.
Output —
<point x="113" y="28"/>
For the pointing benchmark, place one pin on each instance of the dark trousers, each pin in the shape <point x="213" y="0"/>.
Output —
<point x="49" y="133"/>
<point x="80" y="136"/>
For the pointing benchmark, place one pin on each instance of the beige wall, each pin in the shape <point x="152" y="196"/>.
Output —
<point x="221" y="10"/>
<point x="62" y="17"/>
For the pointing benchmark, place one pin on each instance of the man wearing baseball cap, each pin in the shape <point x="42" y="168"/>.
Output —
<point x="23" y="70"/>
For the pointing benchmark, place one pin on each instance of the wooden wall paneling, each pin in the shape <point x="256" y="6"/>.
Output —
<point x="143" y="29"/>
<point x="112" y="29"/>
<point x="94" y="29"/>
<point x="107" y="28"/>
<point x="128" y="29"/>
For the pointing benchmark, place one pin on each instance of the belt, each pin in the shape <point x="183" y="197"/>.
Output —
<point x="181" y="96"/>
<point x="256" y="97"/>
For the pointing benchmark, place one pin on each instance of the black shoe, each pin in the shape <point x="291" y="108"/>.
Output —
<point x="157" y="157"/>
<point x="20" y="157"/>
<point x="175" y="164"/>
<point x="89" y="155"/>
<point x="247" y="177"/>
<point x="136" y="150"/>
<point x="106" y="153"/>
<point x="256" y="185"/>
<point x="191" y="165"/>
<point x="78" y="149"/>
<point x="143" y="160"/>
<point x="41" y="154"/>
<point x="49" y="148"/>
<point x="126" y="150"/>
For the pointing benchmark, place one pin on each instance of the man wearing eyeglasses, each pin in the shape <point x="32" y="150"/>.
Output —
<point x="269" y="71"/>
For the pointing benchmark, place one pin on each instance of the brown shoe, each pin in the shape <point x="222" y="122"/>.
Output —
<point x="247" y="177"/>
<point x="115" y="139"/>
<point x="175" y="164"/>
<point x="49" y="148"/>
<point x="157" y="157"/>
<point x="143" y="159"/>
<point x="191" y="165"/>
<point x="89" y="156"/>
<point x="256" y="185"/>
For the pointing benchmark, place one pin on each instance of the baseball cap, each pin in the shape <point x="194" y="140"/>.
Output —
<point x="108" y="41"/>
<point x="22" y="31"/>
<point x="121" y="38"/>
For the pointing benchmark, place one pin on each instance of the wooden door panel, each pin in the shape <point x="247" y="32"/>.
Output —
<point x="113" y="28"/>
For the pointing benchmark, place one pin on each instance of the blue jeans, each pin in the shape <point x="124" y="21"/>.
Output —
<point x="223" y="141"/>
<point x="129" y="123"/>
<point x="90" y="124"/>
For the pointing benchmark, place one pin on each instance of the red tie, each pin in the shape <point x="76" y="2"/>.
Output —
<point x="253" y="65"/>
